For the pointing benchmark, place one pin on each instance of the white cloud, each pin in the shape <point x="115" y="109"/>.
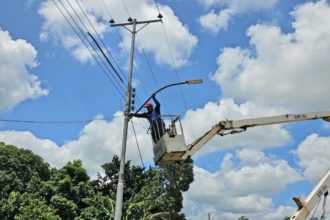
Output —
<point x="313" y="154"/>
<point x="251" y="157"/>
<point x="242" y="190"/>
<point x="216" y="21"/>
<point x="213" y="112"/>
<point x="98" y="142"/>
<point x="43" y="37"/>
<point x="16" y="83"/>
<point x="288" y="70"/>
<point x="45" y="148"/>
<point x="181" y="41"/>
<point x="56" y="26"/>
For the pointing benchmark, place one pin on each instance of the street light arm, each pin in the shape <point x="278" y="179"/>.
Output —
<point x="189" y="82"/>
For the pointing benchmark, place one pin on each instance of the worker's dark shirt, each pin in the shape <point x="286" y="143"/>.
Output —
<point x="153" y="116"/>
<point x="157" y="124"/>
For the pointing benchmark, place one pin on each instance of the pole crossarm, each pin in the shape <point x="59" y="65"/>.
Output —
<point x="136" y="22"/>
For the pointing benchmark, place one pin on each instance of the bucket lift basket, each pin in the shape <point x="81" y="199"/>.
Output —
<point x="168" y="139"/>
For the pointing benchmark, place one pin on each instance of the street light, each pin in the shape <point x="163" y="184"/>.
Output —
<point x="188" y="82"/>
<point x="209" y="215"/>
<point x="194" y="81"/>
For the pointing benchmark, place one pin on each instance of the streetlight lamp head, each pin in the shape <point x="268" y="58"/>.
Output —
<point x="130" y="19"/>
<point x="194" y="81"/>
<point x="160" y="16"/>
<point x="112" y="21"/>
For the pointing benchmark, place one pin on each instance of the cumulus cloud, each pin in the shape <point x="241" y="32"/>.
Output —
<point x="289" y="70"/>
<point x="216" y="21"/>
<point x="56" y="26"/>
<point x="17" y="84"/>
<point x="213" y="112"/>
<point x="313" y="154"/>
<point x="152" y="38"/>
<point x="242" y="189"/>
<point x="98" y="142"/>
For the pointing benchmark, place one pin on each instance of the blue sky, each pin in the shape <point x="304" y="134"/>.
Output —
<point x="257" y="58"/>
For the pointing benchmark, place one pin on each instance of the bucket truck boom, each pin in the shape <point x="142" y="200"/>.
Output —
<point x="306" y="206"/>
<point x="172" y="149"/>
<point x="234" y="127"/>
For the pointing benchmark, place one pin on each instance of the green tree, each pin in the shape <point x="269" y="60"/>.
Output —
<point x="31" y="189"/>
<point x="243" y="218"/>
<point x="26" y="206"/>
<point x="148" y="194"/>
<point x="286" y="218"/>
<point x="18" y="167"/>
<point x="100" y="207"/>
<point x="67" y="189"/>
<point x="176" y="179"/>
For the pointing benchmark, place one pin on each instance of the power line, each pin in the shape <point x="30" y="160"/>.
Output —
<point x="177" y="76"/>
<point x="152" y="73"/>
<point x="137" y="74"/>
<point x="156" y="2"/>
<point x="58" y="122"/>
<point x="93" y="55"/>
<point x="99" y="37"/>
<point x="126" y="50"/>
<point x="137" y="143"/>
<point x="106" y="58"/>
<point x="125" y="7"/>
<point x="83" y="33"/>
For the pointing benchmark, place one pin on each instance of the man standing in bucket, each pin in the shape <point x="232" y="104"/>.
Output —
<point x="154" y="117"/>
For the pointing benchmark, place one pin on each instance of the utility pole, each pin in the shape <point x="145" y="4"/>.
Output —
<point x="120" y="186"/>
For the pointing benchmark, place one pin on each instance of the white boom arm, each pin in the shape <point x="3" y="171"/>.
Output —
<point x="241" y="125"/>
<point x="306" y="206"/>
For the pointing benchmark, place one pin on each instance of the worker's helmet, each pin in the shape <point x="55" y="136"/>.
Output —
<point x="148" y="104"/>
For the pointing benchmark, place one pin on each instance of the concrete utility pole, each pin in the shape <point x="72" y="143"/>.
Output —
<point x="120" y="186"/>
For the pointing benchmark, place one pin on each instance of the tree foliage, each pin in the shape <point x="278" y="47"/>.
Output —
<point x="31" y="189"/>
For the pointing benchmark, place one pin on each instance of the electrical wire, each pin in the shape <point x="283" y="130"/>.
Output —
<point x="148" y="63"/>
<point x="99" y="37"/>
<point x="177" y="75"/>
<point x="156" y="2"/>
<point x="93" y="55"/>
<point x="126" y="50"/>
<point x="105" y="57"/>
<point x="137" y="143"/>
<point x="173" y="63"/>
<point x="58" y="122"/>
<point x="152" y="74"/>
<point x="125" y="7"/>
<point x="87" y="31"/>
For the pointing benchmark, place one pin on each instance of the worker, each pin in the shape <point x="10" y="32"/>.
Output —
<point x="154" y="117"/>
